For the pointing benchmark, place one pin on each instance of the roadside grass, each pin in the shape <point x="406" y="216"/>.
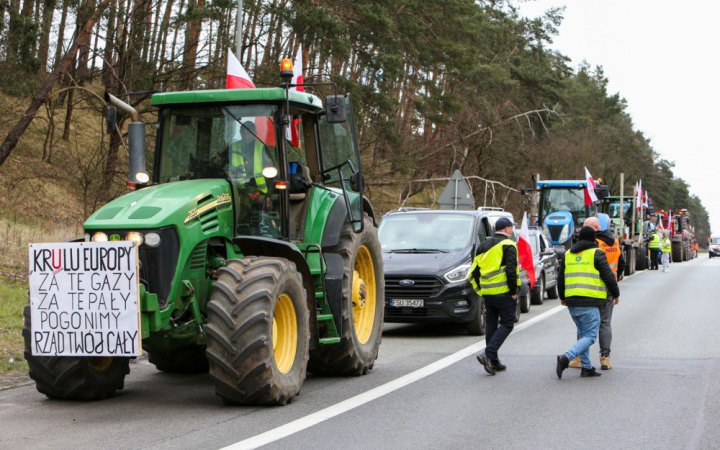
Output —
<point x="13" y="298"/>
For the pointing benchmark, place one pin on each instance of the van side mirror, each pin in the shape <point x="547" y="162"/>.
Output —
<point x="335" y="109"/>
<point x="110" y="119"/>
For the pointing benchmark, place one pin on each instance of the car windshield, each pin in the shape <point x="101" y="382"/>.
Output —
<point x="716" y="241"/>
<point x="615" y="210"/>
<point x="564" y="199"/>
<point x="426" y="231"/>
<point x="217" y="142"/>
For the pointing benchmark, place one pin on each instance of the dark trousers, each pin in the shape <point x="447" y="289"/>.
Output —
<point x="654" y="258"/>
<point x="605" y="337"/>
<point x="498" y="308"/>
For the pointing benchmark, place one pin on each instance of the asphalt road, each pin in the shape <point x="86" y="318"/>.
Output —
<point x="664" y="391"/>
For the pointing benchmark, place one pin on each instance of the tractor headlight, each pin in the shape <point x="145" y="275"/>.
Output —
<point x="459" y="273"/>
<point x="152" y="239"/>
<point x="99" y="237"/>
<point x="135" y="237"/>
<point x="565" y="233"/>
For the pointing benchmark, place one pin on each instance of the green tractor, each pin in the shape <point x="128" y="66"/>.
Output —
<point x="259" y="255"/>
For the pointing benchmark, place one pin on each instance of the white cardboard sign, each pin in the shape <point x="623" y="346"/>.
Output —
<point x="84" y="299"/>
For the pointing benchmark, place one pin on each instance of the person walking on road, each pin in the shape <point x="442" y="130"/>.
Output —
<point x="666" y="250"/>
<point x="606" y="242"/>
<point x="495" y="276"/>
<point x="654" y="246"/>
<point x="584" y="281"/>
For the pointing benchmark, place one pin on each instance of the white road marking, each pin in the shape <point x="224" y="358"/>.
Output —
<point x="315" y="418"/>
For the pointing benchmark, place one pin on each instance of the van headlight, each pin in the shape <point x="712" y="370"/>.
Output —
<point x="459" y="273"/>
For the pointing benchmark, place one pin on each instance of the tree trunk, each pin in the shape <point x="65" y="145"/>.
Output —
<point x="164" y="33"/>
<point x="43" y="92"/>
<point x="46" y="28"/>
<point x="192" y="34"/>
<point x="107" y="78"/>
<point x="61" y="33"/>
<point x="68" y="115"/>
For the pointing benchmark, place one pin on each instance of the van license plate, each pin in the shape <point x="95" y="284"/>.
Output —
<point x="406" y="302"/>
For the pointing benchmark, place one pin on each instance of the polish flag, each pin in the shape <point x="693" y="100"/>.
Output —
<point x="590" y="196"/>
<point x="525" y="255"/>
<point x="238" y="78"/>
<point x="293" y="134"/>
<point x="671" y="225"/>
<point x="638" y="197"/>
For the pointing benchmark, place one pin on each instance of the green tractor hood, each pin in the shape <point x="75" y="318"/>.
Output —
<point x="162" y="205"/>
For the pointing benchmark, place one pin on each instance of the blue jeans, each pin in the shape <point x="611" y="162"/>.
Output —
<point x="587" y="321"/>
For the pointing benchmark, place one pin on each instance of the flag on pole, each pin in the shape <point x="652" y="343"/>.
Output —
<point x="670" y="225"/>
<point x="590" y="196"/>
<point x="238" y="78"/>
<point x="638" y="196"/>
<point x="525" y="255"/>
<point x="646" y="200"/>
<point x="292" y="133"/>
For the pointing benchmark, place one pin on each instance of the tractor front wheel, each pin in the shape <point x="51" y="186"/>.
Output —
<point x="363" y="297"/>
<point x="72" y="377"/>
<point x="258" y="331"/>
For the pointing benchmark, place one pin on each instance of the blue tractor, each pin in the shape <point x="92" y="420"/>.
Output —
<point x="562" y="208"/>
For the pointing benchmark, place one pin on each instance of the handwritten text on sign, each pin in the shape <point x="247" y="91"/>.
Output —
<point x="84" y="299"/>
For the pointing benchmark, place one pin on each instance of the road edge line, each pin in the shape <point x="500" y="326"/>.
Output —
<point x="351" y="403"/>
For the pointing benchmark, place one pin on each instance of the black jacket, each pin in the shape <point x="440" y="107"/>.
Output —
<point x="509" y="260"/>
<point x="606" y="274"/>
<point x="609" y="238"/>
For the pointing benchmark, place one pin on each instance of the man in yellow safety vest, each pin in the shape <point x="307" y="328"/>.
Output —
<point x="247" y="159"/>
<point x="608" y="243"/>
<point x="654" y="246"/>
<point x="666" y="251"/>
<point x="584" y="281"/>
<point x="495" y="276"/>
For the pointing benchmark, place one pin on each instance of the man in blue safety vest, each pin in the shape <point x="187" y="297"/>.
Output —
<point x="584" y="280"/>
<point x="495" y="276"/>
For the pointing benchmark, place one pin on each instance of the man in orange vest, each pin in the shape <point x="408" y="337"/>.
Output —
<point x="611" y="246"/>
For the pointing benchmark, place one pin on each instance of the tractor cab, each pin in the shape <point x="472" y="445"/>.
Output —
<point x="562" y="208"/>
<point x="269" y="148"/>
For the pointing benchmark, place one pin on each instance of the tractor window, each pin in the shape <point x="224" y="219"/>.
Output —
<point x="338" y="146"/>
<point x="229" y="142"/>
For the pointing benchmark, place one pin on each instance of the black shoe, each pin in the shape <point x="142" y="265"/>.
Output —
<point x="562" y="363"/>
<point x="482" y="359"/>
<point x="498" y="366"/>
<point x="591" y="372"/>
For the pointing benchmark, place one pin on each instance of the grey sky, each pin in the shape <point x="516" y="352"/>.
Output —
<point x="662" y="57"/>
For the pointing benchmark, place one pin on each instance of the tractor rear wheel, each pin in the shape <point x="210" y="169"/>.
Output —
<point x="258" y="331"/>
<point x="186" y="359"/>
<point x="363" y="296"/>
<point x="72" y="377"/>
<point x="677" y="253"/>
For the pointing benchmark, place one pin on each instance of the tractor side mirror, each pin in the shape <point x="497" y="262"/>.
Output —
<point x="110" y="119"/>
<point x="335" y="109"/>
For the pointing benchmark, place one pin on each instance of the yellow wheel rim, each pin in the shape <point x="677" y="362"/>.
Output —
<point x="284" y="333"/>
<point x="101" y="364"/>
<point x="363" y="295"/>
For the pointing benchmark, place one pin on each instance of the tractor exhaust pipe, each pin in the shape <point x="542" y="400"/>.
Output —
<point x="136" y="139"/>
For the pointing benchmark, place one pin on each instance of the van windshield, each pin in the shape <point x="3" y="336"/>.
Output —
<point x="716" y="240"/>
<point x="426" y="231"/>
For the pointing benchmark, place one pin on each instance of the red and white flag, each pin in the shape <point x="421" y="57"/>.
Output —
<point x="292" y="133"/>
<point x="670" y="224"/>
<point x="525" y="255"/>
<point x="238" y="78"/>
<point x="638" y="196"/>
<point x="590" y="196"/>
